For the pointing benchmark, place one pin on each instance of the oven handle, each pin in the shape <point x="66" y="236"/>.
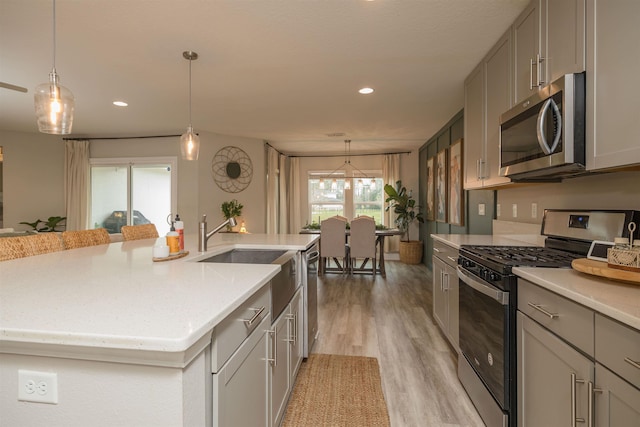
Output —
<point x="500" y="296"/>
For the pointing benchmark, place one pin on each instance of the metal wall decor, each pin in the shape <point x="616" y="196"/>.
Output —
<point x="232" y="169"/>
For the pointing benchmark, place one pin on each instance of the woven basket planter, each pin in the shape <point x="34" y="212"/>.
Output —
<point x="411" y="252"/>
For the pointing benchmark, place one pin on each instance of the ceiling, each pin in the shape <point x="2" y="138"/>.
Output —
<point x="285" y="71"/>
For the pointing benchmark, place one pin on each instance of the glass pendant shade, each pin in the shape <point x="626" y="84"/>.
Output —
<point x="347" y="184"/>
<point x="54" y="107"/>
<point x="189" y="145"/>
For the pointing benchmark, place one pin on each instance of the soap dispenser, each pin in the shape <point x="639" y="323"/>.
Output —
<point x="179" y="225"/>
<point x="173" y="240"/>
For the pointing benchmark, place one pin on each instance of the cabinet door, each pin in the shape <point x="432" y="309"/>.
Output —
<point x="279" y="367"/>
<point x="526" y="39"/>
<point x="617" y="403"/>
<point x="296" y="334"/>
<point x="440" y="300"/>
<point x="498" y="100"/>
<point x="242" y="383"/>
<point x="453" y="294"/>
<point x="473" y="128"/>
<point x="563" y="38"/>
<point x="548" y="370"/>
<point x="613" y="66"/>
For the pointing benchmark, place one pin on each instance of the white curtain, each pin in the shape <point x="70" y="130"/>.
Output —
<point x="391" y="174"/>
<point x="76" y="184"/>
<point x="272" y="190"/>
<point x="283" y="209"/>
<point x="295" y="224"/>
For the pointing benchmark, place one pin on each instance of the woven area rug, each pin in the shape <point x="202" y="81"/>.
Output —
<point x="333" y="390"/>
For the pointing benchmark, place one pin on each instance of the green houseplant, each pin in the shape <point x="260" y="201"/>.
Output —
<point x="231" y="209"/>
<point x="407" y="212"/>
<point x="47" y="226"/>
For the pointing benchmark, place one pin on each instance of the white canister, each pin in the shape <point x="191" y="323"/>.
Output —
<point x="160" y="251"/>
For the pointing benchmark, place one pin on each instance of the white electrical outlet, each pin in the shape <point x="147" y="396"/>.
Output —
<point x="39" y="387"/>
<point x="498" y="210"/>
<point x="481" y="209"/>
<point x="534" y="210"/>
<point x="514" y="209"/>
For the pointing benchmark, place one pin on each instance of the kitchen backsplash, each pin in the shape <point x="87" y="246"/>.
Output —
<point x="617" y="190"/>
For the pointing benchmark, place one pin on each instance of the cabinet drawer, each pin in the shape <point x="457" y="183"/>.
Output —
<point x="445" y="252"/>
<point x="235" y="328"/>
<point x="618" y="348"/>
<point x="567" y="319"/>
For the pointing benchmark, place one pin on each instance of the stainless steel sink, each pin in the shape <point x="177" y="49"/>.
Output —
<point x="246" y="256"/>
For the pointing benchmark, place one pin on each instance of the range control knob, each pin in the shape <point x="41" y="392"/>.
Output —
<point x="494" y="277"/>
<point x="467" y="263"/>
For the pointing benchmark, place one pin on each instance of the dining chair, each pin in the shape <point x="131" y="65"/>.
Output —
<point x="362" y="244"/>
<point x="84" y="238"/>
<point x="41" y="243"/>
<point x="11" y="248"/>
<point x="137" y="232"/>
<point x="333" y="245"/>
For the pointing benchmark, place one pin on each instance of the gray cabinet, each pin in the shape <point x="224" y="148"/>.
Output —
<point x="446" y="292"/>
<point x="487" y="96"/>
<point x="285" y="356"/>
<point x="552" y="377"/>
<point x="242" y="383"/>
<point x="574" y="365"/>
<point x="612" y="67"/>
<point x="549" y="41"/>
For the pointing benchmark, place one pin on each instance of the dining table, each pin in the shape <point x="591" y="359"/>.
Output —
<point x="381" y="234"/>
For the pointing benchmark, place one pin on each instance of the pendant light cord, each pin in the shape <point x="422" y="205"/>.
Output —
<point x="54" y="36"/>
<point x="190" y="123"/>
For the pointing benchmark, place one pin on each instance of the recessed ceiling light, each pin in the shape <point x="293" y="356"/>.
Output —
<point x="120" y="103"/>
<point x="366" y="90"/>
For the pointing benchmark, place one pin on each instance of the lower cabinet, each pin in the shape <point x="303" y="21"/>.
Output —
<point x="285" y="356"/>
<point x="242" y="383"/>
<point x="575" y="366"/>
<point x="552" y="378"/>
<point x="445" y="292"/>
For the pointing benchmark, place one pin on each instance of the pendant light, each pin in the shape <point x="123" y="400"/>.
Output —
<point x="54" y="103"/>
<point x="189" y="141"/>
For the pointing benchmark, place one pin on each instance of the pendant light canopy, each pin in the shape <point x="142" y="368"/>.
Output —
<point x="54" y="103"/>
<point x="189" y="141"/>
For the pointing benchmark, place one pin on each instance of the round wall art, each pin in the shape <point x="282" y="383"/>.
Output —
<point x="232" y="169"/>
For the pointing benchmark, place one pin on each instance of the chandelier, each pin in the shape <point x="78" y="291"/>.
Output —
<point x="351" y="173"/>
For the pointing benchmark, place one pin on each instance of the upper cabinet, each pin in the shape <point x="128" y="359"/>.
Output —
<point x="487" y="94"/>
<point x="549" y="41"/>
<point x="612" y="67"/>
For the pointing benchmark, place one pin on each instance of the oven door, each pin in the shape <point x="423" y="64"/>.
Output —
<point x="484" y="333"/>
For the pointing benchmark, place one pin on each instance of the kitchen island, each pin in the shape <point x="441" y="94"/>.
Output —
<point x="126" y="336"/>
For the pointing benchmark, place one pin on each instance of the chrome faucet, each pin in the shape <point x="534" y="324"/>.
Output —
<point x="203" y="236"/>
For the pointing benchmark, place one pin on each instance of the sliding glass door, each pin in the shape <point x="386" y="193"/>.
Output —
<point x="131" y="192"/>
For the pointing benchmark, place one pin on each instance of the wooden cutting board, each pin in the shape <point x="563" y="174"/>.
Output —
<point x="599" y="268"/>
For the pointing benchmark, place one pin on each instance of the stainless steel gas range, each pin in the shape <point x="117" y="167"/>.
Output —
<point x="488" y="302"/>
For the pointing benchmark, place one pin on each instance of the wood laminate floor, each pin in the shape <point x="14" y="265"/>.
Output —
<point x="391" y="319"/>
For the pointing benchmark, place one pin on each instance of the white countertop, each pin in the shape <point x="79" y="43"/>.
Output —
<point x="614" y="299"/>
<point x="617" y="300"/>
<point x="105" y="301"/>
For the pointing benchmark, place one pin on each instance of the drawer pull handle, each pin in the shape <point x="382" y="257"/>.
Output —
<point x="258" y="312"/>
<point x="574" y="416"/>
<point x="453" y="259"/>
<point x="542" y="310"/>
<point x="632" y="362"/>
<point x="436" y="250"/>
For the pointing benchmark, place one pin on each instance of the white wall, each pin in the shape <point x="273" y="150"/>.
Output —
<point x="617" y="190"/>
<point x="33" y="177"/>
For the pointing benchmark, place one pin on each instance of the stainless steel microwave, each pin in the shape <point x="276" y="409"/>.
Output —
<point x="543" y="137"/>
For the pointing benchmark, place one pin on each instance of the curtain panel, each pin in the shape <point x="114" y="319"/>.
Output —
<point x="76" y="184"/>
<point x="391" y="174"/>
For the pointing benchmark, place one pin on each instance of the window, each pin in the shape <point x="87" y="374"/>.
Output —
<point x="131" y="192"/>
<point x="329" y="197"/>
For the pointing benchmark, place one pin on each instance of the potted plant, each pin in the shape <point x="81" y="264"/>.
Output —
<point x="231" y="209"/>
<point x="50" y="225"/>
<point x="407" y="212"/>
